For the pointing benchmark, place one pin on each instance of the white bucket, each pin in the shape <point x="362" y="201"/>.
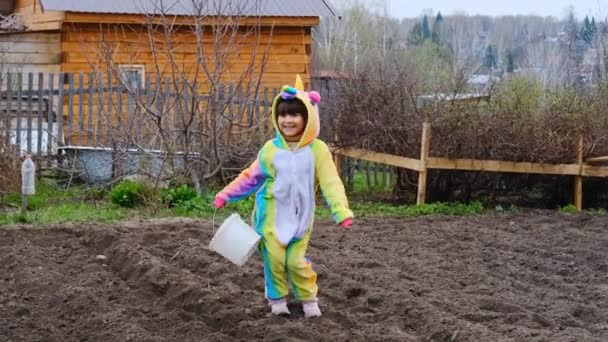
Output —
<point x="235" y="240"/>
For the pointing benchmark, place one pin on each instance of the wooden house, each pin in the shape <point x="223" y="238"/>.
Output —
<point x="148" y="41"/>
<point x="77" y="36"/>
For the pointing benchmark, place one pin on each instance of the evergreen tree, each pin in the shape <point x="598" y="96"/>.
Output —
<point x="415" y="36"/>
<point x="426" y="30"/>
<point x="436" y="35"/>
<point x="510" y="60"/>
<point x="586" y="31"/>
<point x="490" y="57"/>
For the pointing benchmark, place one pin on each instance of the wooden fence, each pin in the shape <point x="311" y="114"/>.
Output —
<point x="41" y="113"/>
<point x="582" y="168"/>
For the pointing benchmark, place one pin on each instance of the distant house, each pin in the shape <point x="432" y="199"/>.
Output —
<point x="66" y="35"/>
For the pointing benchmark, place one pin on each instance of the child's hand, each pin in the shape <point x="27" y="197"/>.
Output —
<point x="219" y="203"/>
<point x="346" y="224"/>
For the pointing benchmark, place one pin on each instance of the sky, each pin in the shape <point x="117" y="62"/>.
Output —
<point x="556" y="8"/>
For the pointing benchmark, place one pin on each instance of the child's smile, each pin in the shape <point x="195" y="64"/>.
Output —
<point x="292" y="126"/>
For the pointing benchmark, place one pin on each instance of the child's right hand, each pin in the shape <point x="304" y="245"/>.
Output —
<point x="219" y="203"/>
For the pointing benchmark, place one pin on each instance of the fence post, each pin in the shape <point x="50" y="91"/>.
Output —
<point x="578" y="180"/>
<point x="424" y="154"/>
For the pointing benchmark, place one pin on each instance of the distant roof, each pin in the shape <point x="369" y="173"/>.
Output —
<point x="266" y="8"/>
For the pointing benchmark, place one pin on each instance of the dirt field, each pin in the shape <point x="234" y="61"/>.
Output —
<point x="537" y="276"/>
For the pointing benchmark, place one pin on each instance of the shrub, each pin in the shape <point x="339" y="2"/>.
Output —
<point x="570" y="209"/>
<point x="180" y="194"/>
<point x="129" y="194"/>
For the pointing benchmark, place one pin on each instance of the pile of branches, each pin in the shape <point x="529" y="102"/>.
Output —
<point x="515" y="121"/>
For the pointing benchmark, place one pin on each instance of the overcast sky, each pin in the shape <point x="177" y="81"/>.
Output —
<point x="556" y="8"/>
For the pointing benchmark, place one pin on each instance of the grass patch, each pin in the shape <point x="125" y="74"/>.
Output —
<point x="360" y="184"/>
<point x="375" y="209"/>
<point x="70" y="212"/>
<point x="53" y="205"/>
<point x="49" y="194"/>
<point x="201" y="207"/>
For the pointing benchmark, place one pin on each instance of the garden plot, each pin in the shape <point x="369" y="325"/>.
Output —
<point x="533" y="276"/>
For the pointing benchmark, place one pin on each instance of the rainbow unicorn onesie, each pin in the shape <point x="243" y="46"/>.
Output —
<point x="285" y="181"/>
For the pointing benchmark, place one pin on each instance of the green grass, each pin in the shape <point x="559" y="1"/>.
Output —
<point x="360" y="185"/>
<point x="570" y="209"/>
<point x="52" y="205"/>
<point x="70" y="212"/>
<point x="48" y="194"/>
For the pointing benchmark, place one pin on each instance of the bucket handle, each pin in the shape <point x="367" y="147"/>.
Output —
<point x="213" y="220"/>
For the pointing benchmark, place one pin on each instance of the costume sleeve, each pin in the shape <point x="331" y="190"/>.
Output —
<point x="330" y="183"/>
<point x="248" y="182"/>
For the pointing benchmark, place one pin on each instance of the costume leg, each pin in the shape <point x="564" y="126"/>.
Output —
<point x="299" y="270"/>
<point x="273" y="254"/>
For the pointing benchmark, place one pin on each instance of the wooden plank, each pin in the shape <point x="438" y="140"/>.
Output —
<point x="115" y="18"/>
<point x="578" y="180"/>
<point x="383" y="158"/>
<point x="502" y="166"/>
<point x="32" y="58"/>
<point x="284" y="68"/>
<point x="60" y="104"/>
<point x="100" y="111"/>
<point x="594" y="171"/>
<point x="40" y="117"/>
<point x="71" y="108"/>
<point x="367" y="175"/>
<point x="8" y="108"/>
<point x="50" y="119"/>
<point x="425" y="145"/>
<point x="29" y="48"/>
<point x="125" y="50"/>
<point x="30" y="90"/>
<point x="31" y="37"/>
<point x="192" y="60"/>
<point x="139" y="116"/>
<point x="119" y="114"/>
<point x="160" y="39"/>
<point x="110" y="107"/>
<point x="90" y="107"/>
<point x="147" y="129"/>
<point x="183" y="31"/>
<point x="80" y="109"/>
<point x="44" y="26"/>
<point x="597" y="160"/>
<point x="19" y="109"/>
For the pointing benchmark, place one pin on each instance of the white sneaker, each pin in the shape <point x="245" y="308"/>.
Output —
<point x="311" y="309"/>
<point x="279" y="307"/>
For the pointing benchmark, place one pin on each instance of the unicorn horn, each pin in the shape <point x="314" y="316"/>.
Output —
<point x="299" y="84"/>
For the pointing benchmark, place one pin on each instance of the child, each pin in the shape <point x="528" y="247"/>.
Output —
<point x="285" y="175"/>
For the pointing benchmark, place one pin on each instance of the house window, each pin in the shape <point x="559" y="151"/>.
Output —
<point x="132" y="75"/>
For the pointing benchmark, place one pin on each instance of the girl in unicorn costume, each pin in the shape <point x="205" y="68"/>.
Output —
<point x="286" y="174"/>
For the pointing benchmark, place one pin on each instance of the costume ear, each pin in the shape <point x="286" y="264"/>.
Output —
<point x="314" y="97"/>
<point x="299" y="85"/>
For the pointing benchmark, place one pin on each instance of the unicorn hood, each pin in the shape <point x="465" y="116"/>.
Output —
<point x="311" y="100"/>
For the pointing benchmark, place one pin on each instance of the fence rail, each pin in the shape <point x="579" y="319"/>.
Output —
<point x="582" y="168"/>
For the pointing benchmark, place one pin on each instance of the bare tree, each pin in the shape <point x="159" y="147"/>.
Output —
<point x="198" y="109"/>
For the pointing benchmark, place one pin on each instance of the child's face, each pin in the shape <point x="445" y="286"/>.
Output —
<point x="292" y="126"/>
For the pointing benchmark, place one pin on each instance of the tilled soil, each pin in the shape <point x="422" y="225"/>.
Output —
<point x="533" y="276"/>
